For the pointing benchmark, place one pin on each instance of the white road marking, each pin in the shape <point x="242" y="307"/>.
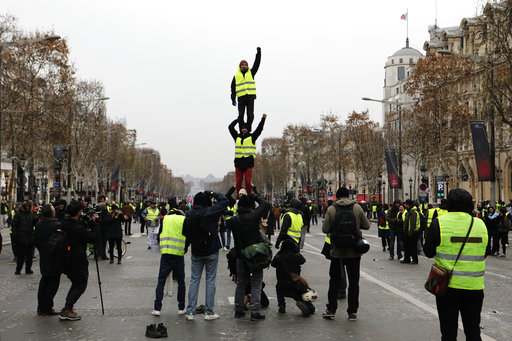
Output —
<point x="405" y="296"/>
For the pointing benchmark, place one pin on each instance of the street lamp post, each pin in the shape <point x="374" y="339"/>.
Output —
<point x="379" y="179"/>
<point x="410" y="188"/>
<point x="8" y="44"/>
<point x="384" y="191"/>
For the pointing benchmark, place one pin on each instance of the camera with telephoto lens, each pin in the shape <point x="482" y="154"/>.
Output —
<point x="87" y="217"/>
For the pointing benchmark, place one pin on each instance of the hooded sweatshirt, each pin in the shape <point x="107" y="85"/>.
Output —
<point x="362" y="223"/>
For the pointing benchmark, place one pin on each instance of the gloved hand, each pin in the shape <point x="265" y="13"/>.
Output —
<point x="258" y="49"/>
<point x="234" y="103"/>
<point x="277" y="245"/>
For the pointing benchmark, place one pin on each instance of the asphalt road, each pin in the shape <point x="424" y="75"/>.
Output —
<point x="393" y="303"/>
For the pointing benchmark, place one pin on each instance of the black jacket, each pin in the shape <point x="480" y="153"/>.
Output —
<point x="287" y="260"/>
<point x="44" y="229"/>
<point x="245" y="162"/>
<point x="79" y="236"/>
<point x="210" y="216"/>
<point x="246" y="226"/>
<point x="114" y="228"/>
<point x="254" y="69"/>
<point x="23" y="227"/>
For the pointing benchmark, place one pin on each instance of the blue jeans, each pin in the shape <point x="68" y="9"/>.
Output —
<point x="176" y="264"/>
<point x="400" y="243"/>
<point x="196" y="269"/>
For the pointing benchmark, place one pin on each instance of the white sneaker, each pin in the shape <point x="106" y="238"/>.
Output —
<point x="190" y="317"/>
<point x="155" y="313"/>
<point x="181" y="312"/>
<point x="225" y="248"/>
<point x="209" y="317"/>
<point x="144" y="234"/>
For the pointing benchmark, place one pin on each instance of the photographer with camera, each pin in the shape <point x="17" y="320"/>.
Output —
<point x="79" y="233"/>
<point x="115" y="232"/>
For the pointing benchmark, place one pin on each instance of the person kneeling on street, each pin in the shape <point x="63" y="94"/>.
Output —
<point x="288" y="263"/>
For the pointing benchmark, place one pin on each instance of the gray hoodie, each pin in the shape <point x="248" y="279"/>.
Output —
<point x="361" y="220"/>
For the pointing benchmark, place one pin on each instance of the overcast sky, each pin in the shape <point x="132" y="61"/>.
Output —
<point x="167" y="65"/>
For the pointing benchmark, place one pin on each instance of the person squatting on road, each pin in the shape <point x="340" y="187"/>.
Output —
<point x="346" y="256"/>
<point x="465" y="292"/>
<point x="50" y="270"/>
<point x="246" y="231"/>
<point x="77" y="269"/>
<point x="200" y="230"/>
<point x="245" y="152"/>
<point x="173" y="248"/>
<point x="243" y="86"/>
<point x="287" y="261"/>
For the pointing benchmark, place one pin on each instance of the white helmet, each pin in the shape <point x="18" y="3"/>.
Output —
<point x="310" y="296"/>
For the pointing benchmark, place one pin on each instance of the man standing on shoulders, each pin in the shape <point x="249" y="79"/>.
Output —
<point x="243" y="86"/>
<point x="245" y="152"/>
<point x="344" y="215"/>
<point x="246" y="231"/>
<point x="200" y="230"/>
<point x="465" y="292"/>
<point x="172" y="248"/>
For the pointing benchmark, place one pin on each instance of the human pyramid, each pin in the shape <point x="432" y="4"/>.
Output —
<point x="243" y="88"/>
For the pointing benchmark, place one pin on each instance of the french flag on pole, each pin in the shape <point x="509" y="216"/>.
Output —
<point x="404" y="16"/>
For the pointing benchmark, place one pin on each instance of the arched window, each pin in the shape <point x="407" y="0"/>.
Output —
<point x="463" y="174"/>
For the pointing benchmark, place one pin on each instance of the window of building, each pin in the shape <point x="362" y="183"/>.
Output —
<point x="397" y="91"/>
<point x="392" y="61"/>
<point x="463" y="174"/>
<point x="401" y="60"/>
<point x="408" y="73"/>
<point x="401" y="73"/>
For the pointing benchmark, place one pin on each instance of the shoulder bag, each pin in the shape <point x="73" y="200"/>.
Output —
<point x="439" y="277"/>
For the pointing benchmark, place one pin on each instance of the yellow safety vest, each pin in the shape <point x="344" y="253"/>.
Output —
<point x="469" y="271"/>
<point x="152" y="215"/>
<point x="418" y="221"/>
<point x="295" y="227"/>
<point x="430" y="215"/>
<point x="387" y="224"/>
<point x="232" y="209"/>
<point x="328" y="238"/>
<point x="441" y="212"/>
<point x="244" y="84"/>
<point x="13" y="212"/>
<point x="172" y="241"/>
<point x="244" y="148"/>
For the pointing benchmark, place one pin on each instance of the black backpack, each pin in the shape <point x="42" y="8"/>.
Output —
<point x="344" y="231"/>
<point x="59" y="247"/>
<point x="201" y="236"/>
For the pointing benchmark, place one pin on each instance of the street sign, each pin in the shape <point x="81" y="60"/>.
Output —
<point x="56" y="185"/>
<point x="423" y="187"/>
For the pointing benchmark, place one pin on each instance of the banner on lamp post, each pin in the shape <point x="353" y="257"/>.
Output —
<point x="484" y="163"/>
<point x="392" y="165"/>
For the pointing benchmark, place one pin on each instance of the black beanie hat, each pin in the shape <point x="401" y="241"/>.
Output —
<point x="245" y="202"/>
<point x="201" y="199"/>
<point x="342" y="192"/>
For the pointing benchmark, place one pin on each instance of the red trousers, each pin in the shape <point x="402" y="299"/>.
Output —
<point x="241" y="174"/>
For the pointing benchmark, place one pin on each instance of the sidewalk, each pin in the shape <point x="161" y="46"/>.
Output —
<point x="6" y="237"/>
